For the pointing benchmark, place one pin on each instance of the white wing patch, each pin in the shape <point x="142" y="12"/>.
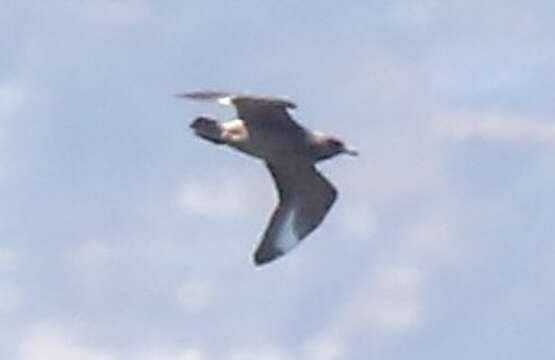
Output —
<point x="226" y="100"/>
<point x="287" y="239"/>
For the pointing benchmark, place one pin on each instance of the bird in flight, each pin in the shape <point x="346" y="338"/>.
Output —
<point x="265" y="129"/>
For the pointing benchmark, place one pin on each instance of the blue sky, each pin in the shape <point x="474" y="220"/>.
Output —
<point x="122" y="236"/>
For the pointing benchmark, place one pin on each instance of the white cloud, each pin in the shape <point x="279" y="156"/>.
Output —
<point x="194" y="295"/>
<point x="414" y="13"/>
<point x="110" y="13"/>
<point x="495" y="126"/>
<point x="8" y="258"/>
<point x="390" y="305"/>
<point x="395" y="171"/>
<point x="260" y="353"/>
<point x="90" y="253"/>
<point x="227" y="199"/>
<point x="432" y="240"/>
<point x="9" y="299"/>
<point x="188" y="354"/>
<point x="48" y="341"/>
<point x="11" y="99"/>
<point x="325" y="349"/>
<point x="11" y="102"/>
<point x="357" y="219"/>
<point x="393" y="303"/>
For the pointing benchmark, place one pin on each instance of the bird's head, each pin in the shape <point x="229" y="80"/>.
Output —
<point x="326" y="146"/>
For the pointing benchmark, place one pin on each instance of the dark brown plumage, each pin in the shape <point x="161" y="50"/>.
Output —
<point x="265" y="129"/>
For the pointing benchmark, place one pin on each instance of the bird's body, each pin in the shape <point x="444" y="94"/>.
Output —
<point x="264" y="129"/>
<point x="255" y="141"/>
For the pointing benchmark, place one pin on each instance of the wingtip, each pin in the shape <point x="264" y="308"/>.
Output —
<point x="221" y="97"/>
<point x="262" y="258"/>
<point x="186" y="95"/>
<point x="260" y="261"/>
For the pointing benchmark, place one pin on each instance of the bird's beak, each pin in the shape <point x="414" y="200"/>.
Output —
<point x="350" y="151"/>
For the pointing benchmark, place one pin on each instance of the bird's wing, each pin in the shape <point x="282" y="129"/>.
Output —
<point x="251" y="108"/>
<point x="229" y="98"/>
<point x="305" y="197"/>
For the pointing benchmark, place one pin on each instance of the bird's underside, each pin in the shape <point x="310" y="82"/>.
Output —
<point x="265" y="130"/>
<point x="305" y="197"/>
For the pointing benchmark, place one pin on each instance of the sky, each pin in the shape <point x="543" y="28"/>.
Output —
<point x="122" y="236"/>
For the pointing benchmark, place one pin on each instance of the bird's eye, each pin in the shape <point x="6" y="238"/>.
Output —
<point x="337" y="144"/>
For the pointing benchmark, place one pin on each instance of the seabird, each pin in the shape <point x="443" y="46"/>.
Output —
<point x="265" y="129"/>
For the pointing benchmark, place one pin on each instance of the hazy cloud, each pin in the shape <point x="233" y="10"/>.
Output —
<point x="324" y="349"/>
<point x="48" y="341"/>
<point x="9" y="298"/>
<point x="8" y="259"/>
<point x="188" y="354"/>
<point x="12" y="97"/>
<point x="357" y="219"/>
<point x="203" y="198"/>
<point x="391" y="305"/>
<point x="496" y="126"/>
<point x="260" y="352"/>
<point x="194" y="295"/>
<point x="90" y="254"/>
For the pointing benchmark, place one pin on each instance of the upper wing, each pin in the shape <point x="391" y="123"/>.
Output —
<point x="250" y="108"/>
<point x="305" y="197"/>
<point x="228" y="98"/>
